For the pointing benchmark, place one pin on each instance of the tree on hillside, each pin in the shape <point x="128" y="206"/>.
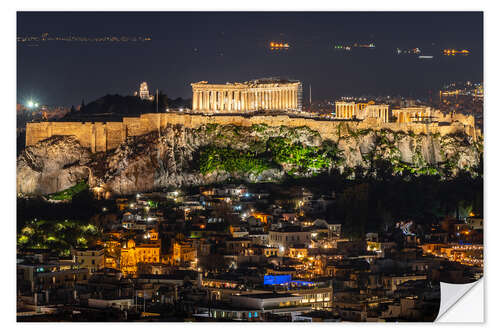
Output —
<point x="162" y="101"/>
<point x="354" y="202"/>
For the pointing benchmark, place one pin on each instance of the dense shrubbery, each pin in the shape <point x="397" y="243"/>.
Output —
<point x="59" y="236"/>
<point x="301" y="158"/>
<point x="231" y="160"/>
<point x="59" y="226"/>
<point x="68" y="193"/>
<point x="275" y="153"/>
<point x="401" y="168"/>
<point x="260" y="127"/>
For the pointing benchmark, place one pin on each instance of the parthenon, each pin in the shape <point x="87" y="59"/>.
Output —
<point x="265" y="94"/>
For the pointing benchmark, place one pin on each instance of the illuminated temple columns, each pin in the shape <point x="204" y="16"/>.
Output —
<point x="267" y="94"/>
<point x="345" y="110"/>
<point x="413" y="114"/>
<point x="361" y="111"/>
<point x="195" y="100"/>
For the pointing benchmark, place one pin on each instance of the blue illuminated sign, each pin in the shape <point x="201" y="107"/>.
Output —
<point x="277" y="279"/>
<point x="302" y="283"/>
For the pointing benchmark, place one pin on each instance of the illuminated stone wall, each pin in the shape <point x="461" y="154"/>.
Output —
<point x="103" y="136"/>
<point x="97" y="136"/>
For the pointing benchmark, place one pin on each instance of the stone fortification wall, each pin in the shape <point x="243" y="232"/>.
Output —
<point x="104" y="136"/>
<point x="98" y="136"/>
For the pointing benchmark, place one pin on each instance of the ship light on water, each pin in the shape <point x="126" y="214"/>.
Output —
<point x="278" y="45"/>
<point x="453" y="52"/>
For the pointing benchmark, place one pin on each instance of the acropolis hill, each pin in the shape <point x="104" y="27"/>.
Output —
<point x="238" y="104"/>
<point x="253" y="131"/>
<point x="104" y="136"/>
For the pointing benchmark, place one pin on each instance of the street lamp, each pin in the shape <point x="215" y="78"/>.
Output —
<point x="31" y="104"/>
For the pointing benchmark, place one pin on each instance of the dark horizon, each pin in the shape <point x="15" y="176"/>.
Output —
<point x="232" y="46"/>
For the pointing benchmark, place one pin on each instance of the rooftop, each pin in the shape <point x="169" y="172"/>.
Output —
<point x="268" y="295"/>
<point x="271" y="80"/>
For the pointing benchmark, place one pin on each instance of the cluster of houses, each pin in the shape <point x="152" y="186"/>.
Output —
<point x="231" y="253"/>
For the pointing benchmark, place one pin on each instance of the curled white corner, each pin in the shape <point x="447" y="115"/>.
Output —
<point x="463" y="301"/>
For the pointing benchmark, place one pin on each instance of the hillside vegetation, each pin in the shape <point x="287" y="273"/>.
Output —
<point x="180" y="156"/>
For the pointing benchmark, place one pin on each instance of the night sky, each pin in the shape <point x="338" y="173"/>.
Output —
<point x="232" y="46"/>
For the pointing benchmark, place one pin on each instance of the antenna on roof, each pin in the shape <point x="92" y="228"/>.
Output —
<point x="157" y="100"/>
<point x="159" y="123"/>
<point x="310" y="94"/>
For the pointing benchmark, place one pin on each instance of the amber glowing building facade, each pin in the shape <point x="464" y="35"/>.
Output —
<point x="146" y="252"/>
<point x="354" y="110"/>
<point x="257" y="95"/>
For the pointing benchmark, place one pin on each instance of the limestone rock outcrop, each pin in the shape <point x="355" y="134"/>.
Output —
<point x="170" y="157"/>
<point x="52" y="165"/>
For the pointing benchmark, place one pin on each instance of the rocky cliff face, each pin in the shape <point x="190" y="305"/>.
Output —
<point x="180" y="156"/>
<point x="51" y="165"/>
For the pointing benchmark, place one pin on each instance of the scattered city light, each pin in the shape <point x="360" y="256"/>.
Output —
<point x="279" y="45"/>
<point x="453" y="52"/>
